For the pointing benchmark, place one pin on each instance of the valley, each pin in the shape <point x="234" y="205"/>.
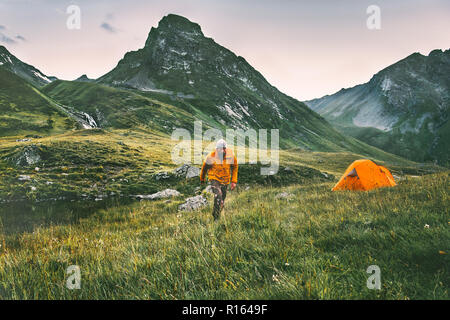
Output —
<point x="87" y="178"/>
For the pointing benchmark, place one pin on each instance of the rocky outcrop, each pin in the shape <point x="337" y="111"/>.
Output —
<point x="193" y="203"/>
<point x="162" y="176"/>
<point x="28" y="156"/>
<point x="187" y="171"/>
<point x="159" y="195"/>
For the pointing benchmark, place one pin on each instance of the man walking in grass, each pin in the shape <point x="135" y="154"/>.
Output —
<point x="221" y="165"/>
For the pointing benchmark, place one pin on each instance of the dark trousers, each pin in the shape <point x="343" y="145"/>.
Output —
<point x="220" y="193"/>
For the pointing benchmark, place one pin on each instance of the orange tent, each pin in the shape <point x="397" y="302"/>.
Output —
<point x="365" y="175"/>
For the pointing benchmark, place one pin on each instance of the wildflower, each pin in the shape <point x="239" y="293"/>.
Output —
<point x="427" y="226"/>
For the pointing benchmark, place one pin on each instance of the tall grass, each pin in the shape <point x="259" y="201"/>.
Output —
<point x="316" y="244"/>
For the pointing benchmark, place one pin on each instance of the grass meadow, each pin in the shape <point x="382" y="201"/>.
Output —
<point x="315" y="244"/>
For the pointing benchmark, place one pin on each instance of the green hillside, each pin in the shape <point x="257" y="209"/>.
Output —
<point x="315" y="244"/>
<point x="24" y="111"/>
<point x="118" y="108"/>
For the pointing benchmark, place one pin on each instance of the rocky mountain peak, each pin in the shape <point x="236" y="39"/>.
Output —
<point x="84" y="78"/>
<point x="175" y="22"/>
<point x="171" y="27"/>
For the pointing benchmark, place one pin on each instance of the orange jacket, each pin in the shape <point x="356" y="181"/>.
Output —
<point x="219" y="169"/>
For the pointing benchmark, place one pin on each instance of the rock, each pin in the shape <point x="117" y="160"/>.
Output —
<point x="181" y="171"/>
<point x="283" y="195"/>
<point x="193" y="203"/>
<point x="33" y="188"/>
<point x="162" y="175"/>
<point x="193" y="172"/>
<point x="187" y="171"/>
<point x="24" y="178"/>
<point x="37" y="169"/>
<point x="247" y="188"/>
<point x="160" y="195"/>
<point x="29" y="155"/>
<point x="24" y="140"/>
<point x="288" y="169"/>
<point x="49" y="183"/>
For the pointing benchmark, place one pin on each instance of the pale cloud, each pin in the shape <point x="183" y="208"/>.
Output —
<point x="108" y="27"/>
<point x="5" y="39"/>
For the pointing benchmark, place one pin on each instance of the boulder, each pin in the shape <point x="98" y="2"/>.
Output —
<point x="28" y="156"/>
<point x="159" y="195"/>
<point x="187" y="171"/>
<point x="193" y="172"/>
<point x="193" y="203"/>
<point x="162" y="175"/>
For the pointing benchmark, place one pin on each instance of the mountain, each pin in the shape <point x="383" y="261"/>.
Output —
<point x="84" y="78"/>
<point x="26" y="71"/>
<point x="211" y="82"/>
<point x="26" y="111"/>
<point x="403" y="109"/>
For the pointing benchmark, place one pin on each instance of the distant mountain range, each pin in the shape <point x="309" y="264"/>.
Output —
<point x="403" y="109"/>
<point x="179" y="76"/>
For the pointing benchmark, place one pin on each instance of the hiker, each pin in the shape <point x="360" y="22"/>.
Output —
<point x="221" y="165"/>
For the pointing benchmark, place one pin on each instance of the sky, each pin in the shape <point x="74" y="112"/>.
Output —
<point x="307" y="49"/>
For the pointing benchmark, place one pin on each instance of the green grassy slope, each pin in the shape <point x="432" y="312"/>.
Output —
<point x="23" y="111"/>
<point x="315" y="245"/>
<point x="118" y="108"/>
<point x="102" y="162"/>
